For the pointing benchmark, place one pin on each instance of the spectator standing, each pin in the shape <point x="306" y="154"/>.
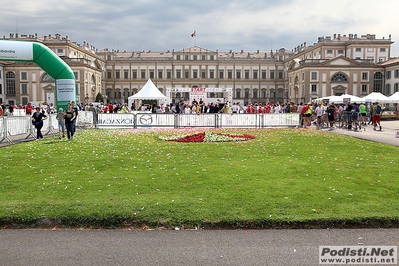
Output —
<point x="377" y="112"/>
<point x="363" y="113"/>
<point x="355" y="116"/>
<point x="110" y="108"/>
<point x="95" y="111"/>
<point x="331" y="114"/>
<point x="29" y="109"/>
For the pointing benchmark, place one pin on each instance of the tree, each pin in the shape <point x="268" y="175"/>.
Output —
<point x="99" y="97"/>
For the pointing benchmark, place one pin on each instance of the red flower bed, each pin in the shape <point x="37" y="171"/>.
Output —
<point x="208" y="137"/>
<point x="192" y="138"/>
<point x="244" y="136"/>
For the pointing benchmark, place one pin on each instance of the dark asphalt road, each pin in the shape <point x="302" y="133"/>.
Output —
<point x="167" y="247"/>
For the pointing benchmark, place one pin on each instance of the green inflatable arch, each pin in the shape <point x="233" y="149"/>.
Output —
<point x="47" y="60"/>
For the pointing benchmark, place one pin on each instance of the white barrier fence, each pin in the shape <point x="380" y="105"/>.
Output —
<point x="22" y="124"/>
<point x="137" y="120"/>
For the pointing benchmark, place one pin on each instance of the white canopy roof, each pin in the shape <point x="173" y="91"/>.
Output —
<point x="377" y="97"/>
<point x="394" y="97"/>
<point x="148" y="92"/>
<point x="340" y="99"/>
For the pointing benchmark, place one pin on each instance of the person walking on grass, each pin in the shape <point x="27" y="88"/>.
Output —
<point x="61" y="122"/>
<point x="76" y="112"/>
<point x="37" y="121"/>
<point x="69" y="117"/>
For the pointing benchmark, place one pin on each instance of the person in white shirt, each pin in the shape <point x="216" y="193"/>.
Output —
<point x="235" y="108"/>
<point x="277" y="109"/>
<point x="319" y="113"/>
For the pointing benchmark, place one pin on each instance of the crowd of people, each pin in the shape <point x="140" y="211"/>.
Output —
<point x="349" y="115"/>
<point x="29" y="108"/>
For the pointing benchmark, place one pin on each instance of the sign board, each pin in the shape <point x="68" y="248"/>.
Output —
<point x="197" y="93"/>
<point x="14" y="51"/>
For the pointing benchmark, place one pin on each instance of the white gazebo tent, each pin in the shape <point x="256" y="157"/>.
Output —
<point x="148" y="92"/>
<point x="377" y="97"/>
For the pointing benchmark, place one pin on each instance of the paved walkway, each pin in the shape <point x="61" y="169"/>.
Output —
<point x="388" y="135"/>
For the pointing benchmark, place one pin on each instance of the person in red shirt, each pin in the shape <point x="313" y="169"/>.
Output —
<point x="260" y="109"/>
<point x="250" y="109"/>
<point x="29" y="109"/>
<point x="110" y="108"/>
<point x="267" y="109"/>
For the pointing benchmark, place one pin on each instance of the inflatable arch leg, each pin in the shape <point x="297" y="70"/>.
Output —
<point x="46" y="59"/>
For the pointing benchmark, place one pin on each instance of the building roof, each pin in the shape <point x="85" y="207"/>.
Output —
<point x="390" y="62"/>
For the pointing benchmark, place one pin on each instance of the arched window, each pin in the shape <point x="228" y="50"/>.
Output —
<point x="47" y="78"/>
<point x="377" y="82"/>
<point x="339" y="78"/>
<point x="10" y="83"/>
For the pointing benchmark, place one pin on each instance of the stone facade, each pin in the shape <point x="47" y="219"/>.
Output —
<point x="342" y="64"/>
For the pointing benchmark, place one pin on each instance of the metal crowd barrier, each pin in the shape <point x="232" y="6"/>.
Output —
<point x="145" y="120"/>
<point x="22" y="125"/>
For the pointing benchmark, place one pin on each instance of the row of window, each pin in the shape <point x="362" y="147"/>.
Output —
<point x="247" y="94"/>
<point x="395" y="73"/>
<point x="263" y="94"/>
<point x="337" y="77"/>
<point x="194" y="57"/>
<point x="341" y="51"/>
<point x="377" y="88"/>
<point x="364" y="88"/>
<point x="196" y="74"/>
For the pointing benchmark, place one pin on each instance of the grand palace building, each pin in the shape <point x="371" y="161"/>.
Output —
<point x="351" y="64"/>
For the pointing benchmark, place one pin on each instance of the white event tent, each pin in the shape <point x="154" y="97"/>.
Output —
<point x="377" y="97"/>
<point x="148" y="92"/>
<point x="340" y="99"/>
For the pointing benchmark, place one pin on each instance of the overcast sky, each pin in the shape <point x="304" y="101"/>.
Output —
<point x="161" y="25"/>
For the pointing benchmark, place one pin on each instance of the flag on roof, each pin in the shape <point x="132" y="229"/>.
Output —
<point x="193" y="34"/>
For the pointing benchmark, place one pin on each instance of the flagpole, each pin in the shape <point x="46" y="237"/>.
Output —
<point x="194" y="34"/>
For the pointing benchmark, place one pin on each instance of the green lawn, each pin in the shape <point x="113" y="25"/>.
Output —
<point x="283" y="177"/>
